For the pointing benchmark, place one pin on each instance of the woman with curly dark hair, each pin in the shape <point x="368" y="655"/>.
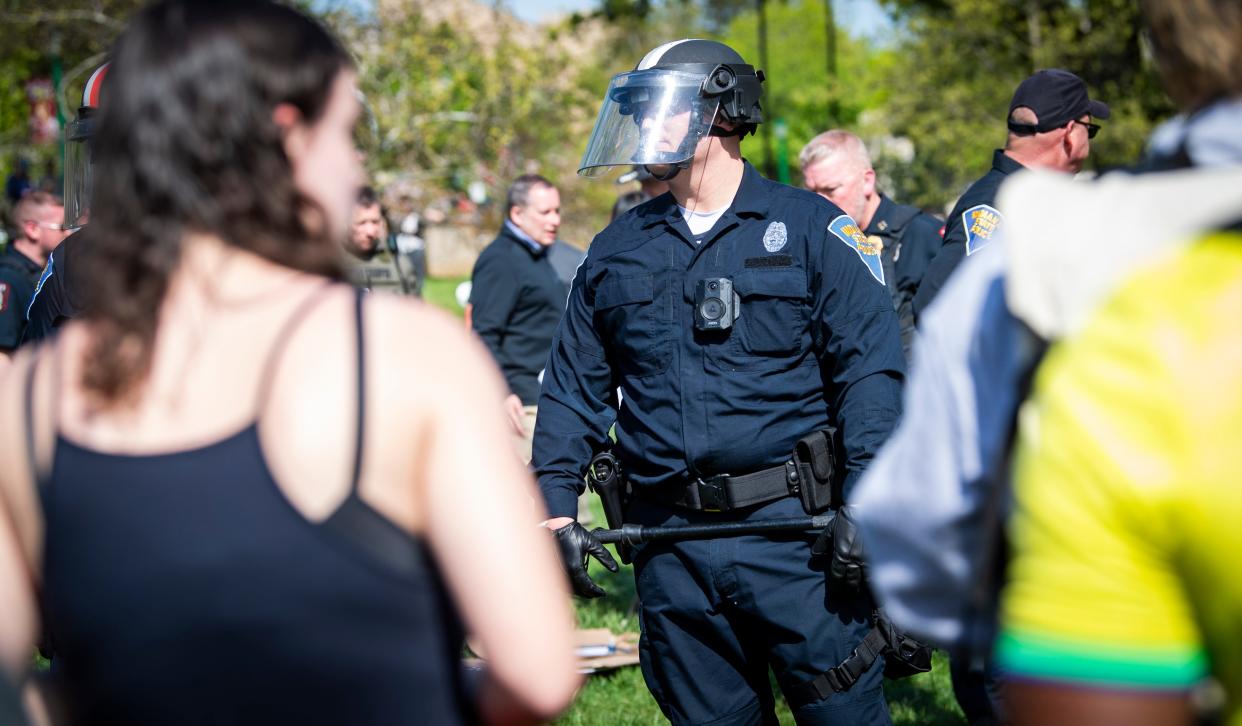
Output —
<point x="226" y="499"/>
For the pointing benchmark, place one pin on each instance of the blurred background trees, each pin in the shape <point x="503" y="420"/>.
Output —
<point x="463" y="95"/>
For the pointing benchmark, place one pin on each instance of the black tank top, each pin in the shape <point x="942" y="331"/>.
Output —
<point x="184" y="588"/>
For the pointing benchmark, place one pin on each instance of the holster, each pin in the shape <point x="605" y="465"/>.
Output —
<point x="604" y="478"/>
<point x="814" y="461"/>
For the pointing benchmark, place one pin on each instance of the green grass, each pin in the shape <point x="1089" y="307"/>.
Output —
<point x="621" y="698"/>
<point x="441" y="292"/>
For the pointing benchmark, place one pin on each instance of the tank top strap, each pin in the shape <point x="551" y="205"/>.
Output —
<point x="48" y="349"/>
<point x="268" y="374"/>
<point x="360" y="341"/>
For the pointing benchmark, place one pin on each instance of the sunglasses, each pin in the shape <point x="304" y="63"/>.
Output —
<point x="1092" y="129"/>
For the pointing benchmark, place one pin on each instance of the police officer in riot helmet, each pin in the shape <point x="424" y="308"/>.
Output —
<point x="741" y="320"/>
<point x="373" y="262"/>
<point x="60" y="291"/>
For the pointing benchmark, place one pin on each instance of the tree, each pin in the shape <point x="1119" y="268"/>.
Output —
<point x="799" y="89"/>
<point x="43" y="39"/>
<point x="953" y="75"/>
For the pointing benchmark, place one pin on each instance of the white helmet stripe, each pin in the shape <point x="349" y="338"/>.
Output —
<point x="90" y="94"/>
<point x="653" y="58"/>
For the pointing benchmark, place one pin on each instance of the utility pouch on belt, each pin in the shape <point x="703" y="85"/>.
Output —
<point x="604" y="478"/>
<point x="814" y="461"/>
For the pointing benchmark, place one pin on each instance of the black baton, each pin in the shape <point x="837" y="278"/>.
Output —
<point x="632" y="534"/>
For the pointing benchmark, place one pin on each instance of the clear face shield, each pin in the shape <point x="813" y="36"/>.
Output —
<point x="649" y="118"/>
<point x="78" y="168"/>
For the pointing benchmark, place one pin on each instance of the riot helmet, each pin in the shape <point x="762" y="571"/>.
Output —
<point x="78" y="166"/>
<point x="656" y="114"/>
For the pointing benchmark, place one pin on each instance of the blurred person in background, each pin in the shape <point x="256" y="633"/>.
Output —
<point x="38" y="220"/>
<point x="18" y="181"/>
<point x="836" y="166"/>
<point x="373" y="262"/>
<point x="222" y="490"/>
<point x="411" y="245"/>
<point x="517" y="297"/>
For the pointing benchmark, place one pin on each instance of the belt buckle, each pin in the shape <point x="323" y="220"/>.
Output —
<point x="712" y="496"/>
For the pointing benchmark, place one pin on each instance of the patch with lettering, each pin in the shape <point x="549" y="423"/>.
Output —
<point x="846" y="230"/>
<point x="980" y="222"/>
<point x="775" y="237"/>
<point x="4" y="296"/>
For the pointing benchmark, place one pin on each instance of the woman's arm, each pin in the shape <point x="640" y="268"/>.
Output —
<point x="481" y="521"/>
<point x="19" y="614"/>
<point x="1047" y="704"/>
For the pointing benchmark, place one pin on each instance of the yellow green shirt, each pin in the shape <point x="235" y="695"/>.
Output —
<point x="1127" y="531"/>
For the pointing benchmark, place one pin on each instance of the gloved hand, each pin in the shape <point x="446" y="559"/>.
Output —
<point x="576" y="543"/>
<point x="848" y="568"/>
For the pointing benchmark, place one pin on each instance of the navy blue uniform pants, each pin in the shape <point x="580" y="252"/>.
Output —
<point x="717" y="613"/>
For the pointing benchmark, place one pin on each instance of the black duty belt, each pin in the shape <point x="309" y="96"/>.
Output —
<point x="724" y="492"/>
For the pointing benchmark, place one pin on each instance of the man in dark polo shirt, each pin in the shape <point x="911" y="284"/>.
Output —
<point x="517" y="296"/>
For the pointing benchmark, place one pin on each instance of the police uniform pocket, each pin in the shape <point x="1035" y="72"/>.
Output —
<point x="773" y="317"/>
<point x="632" y="318"/>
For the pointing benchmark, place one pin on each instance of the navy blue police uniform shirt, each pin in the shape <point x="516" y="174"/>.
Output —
<point x="817" y="342"/>
<point x="973" y="223"/>
<point x="910" y="240"/>
<point x="56" y="297"/>
<point x="18" y="276"/>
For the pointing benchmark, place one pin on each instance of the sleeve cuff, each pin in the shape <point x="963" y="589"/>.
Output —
<point x="562" y="501"/>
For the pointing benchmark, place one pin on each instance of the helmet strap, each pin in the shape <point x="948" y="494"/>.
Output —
<point x="674" y="170"/>
<point x="739" y="130"/>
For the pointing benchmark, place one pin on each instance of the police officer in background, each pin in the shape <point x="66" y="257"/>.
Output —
<point x="39" y="223"/>
<point x="1050" y="127"/>
<point x="836" y="166"/>
<point x="372" y="262"/>
<point x="736" y="316"/>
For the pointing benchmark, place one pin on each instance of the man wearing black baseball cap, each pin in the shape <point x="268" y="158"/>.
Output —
<point x="1050" y="127"/>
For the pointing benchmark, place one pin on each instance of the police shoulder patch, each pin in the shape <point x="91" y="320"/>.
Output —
<point x="4" y="296"/>
<point x="846" y="230"/>
<point x="980" y="222"/>
<point x="775" y="236"/>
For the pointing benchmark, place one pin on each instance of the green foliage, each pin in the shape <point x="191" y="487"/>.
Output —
<point x="799" y="88"/>
<point x="442" y="292"/>
<point x="40" y="34"/>
<point x="960" y="60"/>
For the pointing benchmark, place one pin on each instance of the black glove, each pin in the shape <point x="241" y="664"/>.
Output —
<point x="576" y="543"/>
<point x="848" y="567"/>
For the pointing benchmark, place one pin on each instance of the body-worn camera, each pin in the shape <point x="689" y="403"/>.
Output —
<point x="716" y="305"/>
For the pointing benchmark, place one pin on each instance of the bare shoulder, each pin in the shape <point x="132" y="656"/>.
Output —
<point x="423" y="340"/>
